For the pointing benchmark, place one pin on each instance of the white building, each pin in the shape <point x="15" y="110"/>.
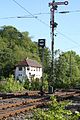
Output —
<point x="28" y="68"/>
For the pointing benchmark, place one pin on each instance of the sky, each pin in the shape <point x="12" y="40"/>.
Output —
<point x="68" y="29"/>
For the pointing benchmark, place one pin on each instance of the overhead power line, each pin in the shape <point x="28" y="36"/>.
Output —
<point x="36" y="14"/>
<point x="61" y="12"/>
<point x="18" y="17"/>
<point x="30" y="13"/>
<point x="73" y="47"/>
<point x="65" y="36"/>
<point x="23" y="8"/>
<point x="33" y="15"/>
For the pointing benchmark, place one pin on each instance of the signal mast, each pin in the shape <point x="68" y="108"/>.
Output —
<point x="53" y="6"/>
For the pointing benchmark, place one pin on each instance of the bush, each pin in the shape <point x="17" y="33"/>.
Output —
<point x="35" y="84"/>
<point x="12" y="85"/>
<point x="56" y="111"/>
<point x="26" y="84"/>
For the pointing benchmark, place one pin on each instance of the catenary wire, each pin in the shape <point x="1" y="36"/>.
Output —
<point x="29" y="12"/>
<point x="40" y="13"/>
<point x="23" y="8"/>
<point x="68" y="38"/>
<point x="18" y="17"/>
<point x="70" y="48"/>
<point x="46" y="23"/>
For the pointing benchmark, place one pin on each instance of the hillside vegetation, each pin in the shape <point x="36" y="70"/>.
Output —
<point x="14" y="47"/>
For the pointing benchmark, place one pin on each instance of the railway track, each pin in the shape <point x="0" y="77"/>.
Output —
<point x="11" y="109"/>
<point x="18" y="94"/>
<point x="11" y="105"/>
<point x="68" y="94"/>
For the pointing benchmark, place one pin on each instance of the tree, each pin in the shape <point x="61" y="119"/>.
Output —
<point x="47" y="60"/>
<point x="67" y="70"/>
<point x="14" y="46"/>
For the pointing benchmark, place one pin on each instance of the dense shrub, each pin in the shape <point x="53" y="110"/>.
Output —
<point x="56" y="111"/>
<point x="11" y="85"/>
<point x="26" y="84"/>
<point x="35" y="84"/>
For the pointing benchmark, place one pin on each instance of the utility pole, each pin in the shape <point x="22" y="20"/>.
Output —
<point x="53" y="24"/>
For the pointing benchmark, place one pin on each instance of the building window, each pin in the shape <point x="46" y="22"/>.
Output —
<point x="39" y="69"/>
<point x="36" y="69"/>
<point x="29" y="74"/>
<point x="31" y="69"/>
<point x="28" y="68"/>
<point x="20" y="68"/>
<point x="20" y="74"/>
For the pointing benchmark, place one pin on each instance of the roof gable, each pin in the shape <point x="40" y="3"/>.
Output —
<point x="29" y="62"/>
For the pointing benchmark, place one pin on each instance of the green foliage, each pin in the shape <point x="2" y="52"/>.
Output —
<point x="67" y="70"/>
<point x="14" y="47"/>
<point x="45" y="85"/>
<point x="47" y="59"/>
<point x="11" y="85"/>
<point x="56" y="111"/>
<point x="35" y="84"/>
<point x="26" y="84"/>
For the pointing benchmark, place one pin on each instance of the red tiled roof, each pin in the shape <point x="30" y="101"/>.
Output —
<point x="29" y="62"/>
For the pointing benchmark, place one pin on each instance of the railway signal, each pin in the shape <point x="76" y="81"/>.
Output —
<point x="53" y="6"/>
<point x="41" y="43"/>
<point x="58" y="3"/>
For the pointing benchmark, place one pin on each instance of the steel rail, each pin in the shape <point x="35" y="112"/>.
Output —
<point x="12" y="109"/>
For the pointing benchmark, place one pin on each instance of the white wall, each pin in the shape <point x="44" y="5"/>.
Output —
<point x="37" y="72"/>
<point x="20" y="73"/>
